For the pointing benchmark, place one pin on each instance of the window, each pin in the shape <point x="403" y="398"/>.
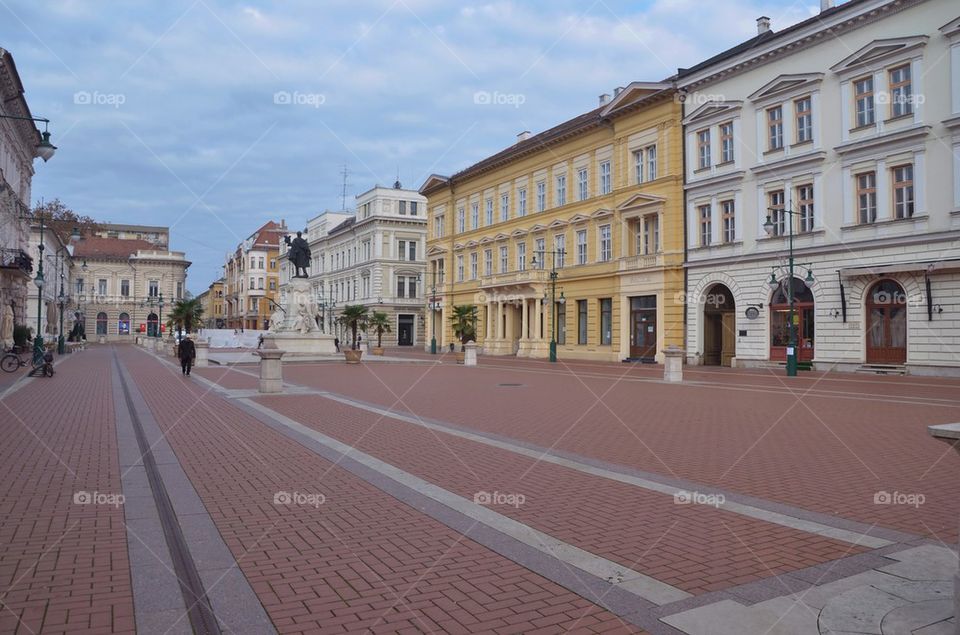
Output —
<point x="606" y="244"/>
<point x="460" y="268"/>
<point x="153" y="288"/>
<point x="401" y="249"/>
<point x="867" y="197"/>
<point x="273" y="284"/>
<point x="581" y="321"/>
<point x="461" y="220"/>
<point x="901" y="100"/>
<point x="729" y="220"/>
<point x="403" y="207"/>
<point x="522" y="202"/>
<point x="606" y="320"/>
<point x="253" y="283"/>
<point x="473" y="266"/>
<point x="560" y="250"/>
<point x="605" y="183"/>
<point x="561" y="191"/>
<point x="101" y="323"/>
<point x="706" y="225"/>
<point x="504" y="265"/>
<point x="775" y="128"/>
<point x="540" y="249"/>
<point x="413" y="208"/>
<point x="79" y="286"/>
<point x="805" y="207"/>
<point x="726" y="142"/>
<point x="863" y="96"/>
<point x="125" y="288"/>
<point x="561" y="314"/>
<point x="651" y="234"/>
<point x="253" y="262"/>
<point x="474" y="215"/>
<point x="582" y="188"/>
<point x="488" y="262"/>
<point x="441" y="270"/>
<point x="703" y="149"/>
<point x="804" y="119"/>
<point x="582" y="247"/>
<point x="489" y="211"/>
<point x="401" y="286"/>
<point x="778" y="214"/>
<point x="521" y="256"/>
<point x="638" y="166"/>
<point x="903" y="191"/>
<point x="651" y="163"/>
<point x="102" y="286"/>
<point x="260" y="262"/>
<point x="412" y="286"/>
<point x="541" y="196"/>
<point x="504" y="207"/>
<point x="123" y="324"/>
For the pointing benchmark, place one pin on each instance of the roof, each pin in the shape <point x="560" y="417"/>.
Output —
<point x="344" y="226"/>
<point x="268" y="235"/>
<point x="99" y="247"/>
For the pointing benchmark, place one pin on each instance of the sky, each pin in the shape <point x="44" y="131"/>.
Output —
<point x="212" y="117"/>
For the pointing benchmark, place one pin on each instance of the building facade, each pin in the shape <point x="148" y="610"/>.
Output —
<point x="118" y="285"/>
<point x="18" y="141"/>
<point x="252" y="278"/>
<point x="597" y="200"/>
<point x="845" y="130"/>
<point x="374" y="258"/>
<point x="212" y="302"/>
<point x="58" y="287"/>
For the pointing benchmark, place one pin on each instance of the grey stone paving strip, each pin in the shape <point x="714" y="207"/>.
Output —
<point x="642" y="586"/>
<point x="234" y="603"/>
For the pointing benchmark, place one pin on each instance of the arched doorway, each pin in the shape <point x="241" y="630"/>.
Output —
<point x="152" y="325"/>
<point x="101" y="323"/>
<point x="886" y="311"/>
<point x="803" y="321"/>
<point x="719" y="326"/>
<point x="123" y="324"/>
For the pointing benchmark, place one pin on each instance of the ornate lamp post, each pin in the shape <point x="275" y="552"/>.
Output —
<point x="434" y="306"/>
<point x="45" y="149"/>
<point x="771" y="228"/>
<point x="38" y="338"/>
<point x="554" y="274"/>
<point x="160" y="318"/>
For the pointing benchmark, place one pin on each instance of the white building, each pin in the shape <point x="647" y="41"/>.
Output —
<point x="375" y="257"/>
<point x="851" y="119"/>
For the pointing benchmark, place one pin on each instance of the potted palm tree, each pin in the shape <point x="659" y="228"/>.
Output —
<point x="186" y="316"/>
<point x="380" y="323"/>
<point x="354" y="316"/>
<point x="464" y="323"/>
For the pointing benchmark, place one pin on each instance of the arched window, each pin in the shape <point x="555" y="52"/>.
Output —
<point x="101" y="323"/>
<point x="152" y="325"/>
<point x="123" y="324"/>
<point x="803" y="321"/>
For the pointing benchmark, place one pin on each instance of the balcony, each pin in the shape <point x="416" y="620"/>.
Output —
<point x="515" y="278"/>
<point x="16" y="260"/>
<point x="633" y="263"/>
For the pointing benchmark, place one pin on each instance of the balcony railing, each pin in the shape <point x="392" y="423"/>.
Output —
<point x="16" y="259"/>
<point x="515" y="278"/>
<point x="648" y="261"/>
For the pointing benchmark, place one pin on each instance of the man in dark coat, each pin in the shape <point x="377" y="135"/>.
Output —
<point x="187" y="352"/>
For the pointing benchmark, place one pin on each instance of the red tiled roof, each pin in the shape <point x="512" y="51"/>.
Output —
<point x="98" y="247"/>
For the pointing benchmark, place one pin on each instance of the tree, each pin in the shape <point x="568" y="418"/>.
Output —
<point x="355" y="317"/>
<point x="380" y="323"/>
<point x="464" y="322"/>
<point x="62" y="220"/>
<point x="186" y="315"/>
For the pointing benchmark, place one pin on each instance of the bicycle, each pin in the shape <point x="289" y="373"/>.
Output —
<point x="41" y="361"/>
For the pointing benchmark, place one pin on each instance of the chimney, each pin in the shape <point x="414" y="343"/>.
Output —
<point x="523" y="136"/>
<point x="617" y="90"/>
<point x="604" y="99"/>
<point x="763" y="25"/>
<point x="825" y="4"/>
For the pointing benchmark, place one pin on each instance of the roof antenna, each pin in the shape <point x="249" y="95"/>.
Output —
<point x="343" y="192"/>
<point x="396" y="184"/>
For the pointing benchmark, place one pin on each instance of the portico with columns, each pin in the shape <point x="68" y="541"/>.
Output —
<point x="513" y="320"/>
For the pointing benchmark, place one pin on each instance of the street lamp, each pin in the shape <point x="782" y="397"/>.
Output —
<point x="160" y="318"/>
<point x="772" y="230"/>
<point x="61" y="340"/>
<point x="45" y="150"/>
<point x="434" y="307"/>
<point x="38" y="339"/>
<point x="553" y="293"/>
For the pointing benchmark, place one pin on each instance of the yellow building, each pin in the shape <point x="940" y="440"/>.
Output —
<point x="252" y="278"/>
<point x="212" y="302"/>
<point x="597" y="199"/>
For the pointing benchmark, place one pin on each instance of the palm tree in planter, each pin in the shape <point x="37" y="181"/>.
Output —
<point x="380" y="323"/>
<point x="464" y="323"/>
<point x="354" y="316"/>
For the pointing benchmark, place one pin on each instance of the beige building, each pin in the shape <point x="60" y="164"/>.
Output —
<point x="212" y="302"/>
<point x="119" y="293"/>
<point x="251" y="278"/>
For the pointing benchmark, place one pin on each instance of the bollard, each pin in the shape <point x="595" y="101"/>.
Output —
<point x="950" y="433"/>
<point x="271" y="370"/>
<point x="673" y="364"/>
<point x="470" y="354"/>
<point x="203" y="350"/>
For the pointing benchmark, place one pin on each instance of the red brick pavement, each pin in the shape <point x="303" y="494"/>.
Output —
<point x="820" y="451"/>
<point x="693" y="547"/>
<point x="362" y="560"/>
<point x="63" y="566"/>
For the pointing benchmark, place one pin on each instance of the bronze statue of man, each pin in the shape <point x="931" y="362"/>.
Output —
<point x="299" y="254"/>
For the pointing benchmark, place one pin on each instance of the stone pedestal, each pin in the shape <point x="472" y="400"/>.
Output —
<point x="101" y="339"/>
<point x="950" y="433"/>
<point x="271" y="370"/>
<point x="150" y="343"/>
<point x="470" y="354"/>
<point x="673" y="364"/>
<point x="203" y="352"/>
<point x="294" y="343"/>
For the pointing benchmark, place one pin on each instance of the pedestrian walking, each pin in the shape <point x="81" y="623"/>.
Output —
<point x="260" y="341"/>
<point x="336" y="342"/>
<point x="187" y="352"/>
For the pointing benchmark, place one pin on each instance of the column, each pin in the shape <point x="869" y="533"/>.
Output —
<point x="500" y="334"/>
<point x="489" y="324"/>
<point x="537" y="312"/>
<point x="525" y="320"/>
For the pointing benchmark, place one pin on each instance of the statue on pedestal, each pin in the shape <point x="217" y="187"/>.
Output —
<point x="298" y="254"/>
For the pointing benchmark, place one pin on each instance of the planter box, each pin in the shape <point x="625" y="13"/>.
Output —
<point x="352" y="356"/>
<point x="376" y="351"/>
<point x="460" y="356"/>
